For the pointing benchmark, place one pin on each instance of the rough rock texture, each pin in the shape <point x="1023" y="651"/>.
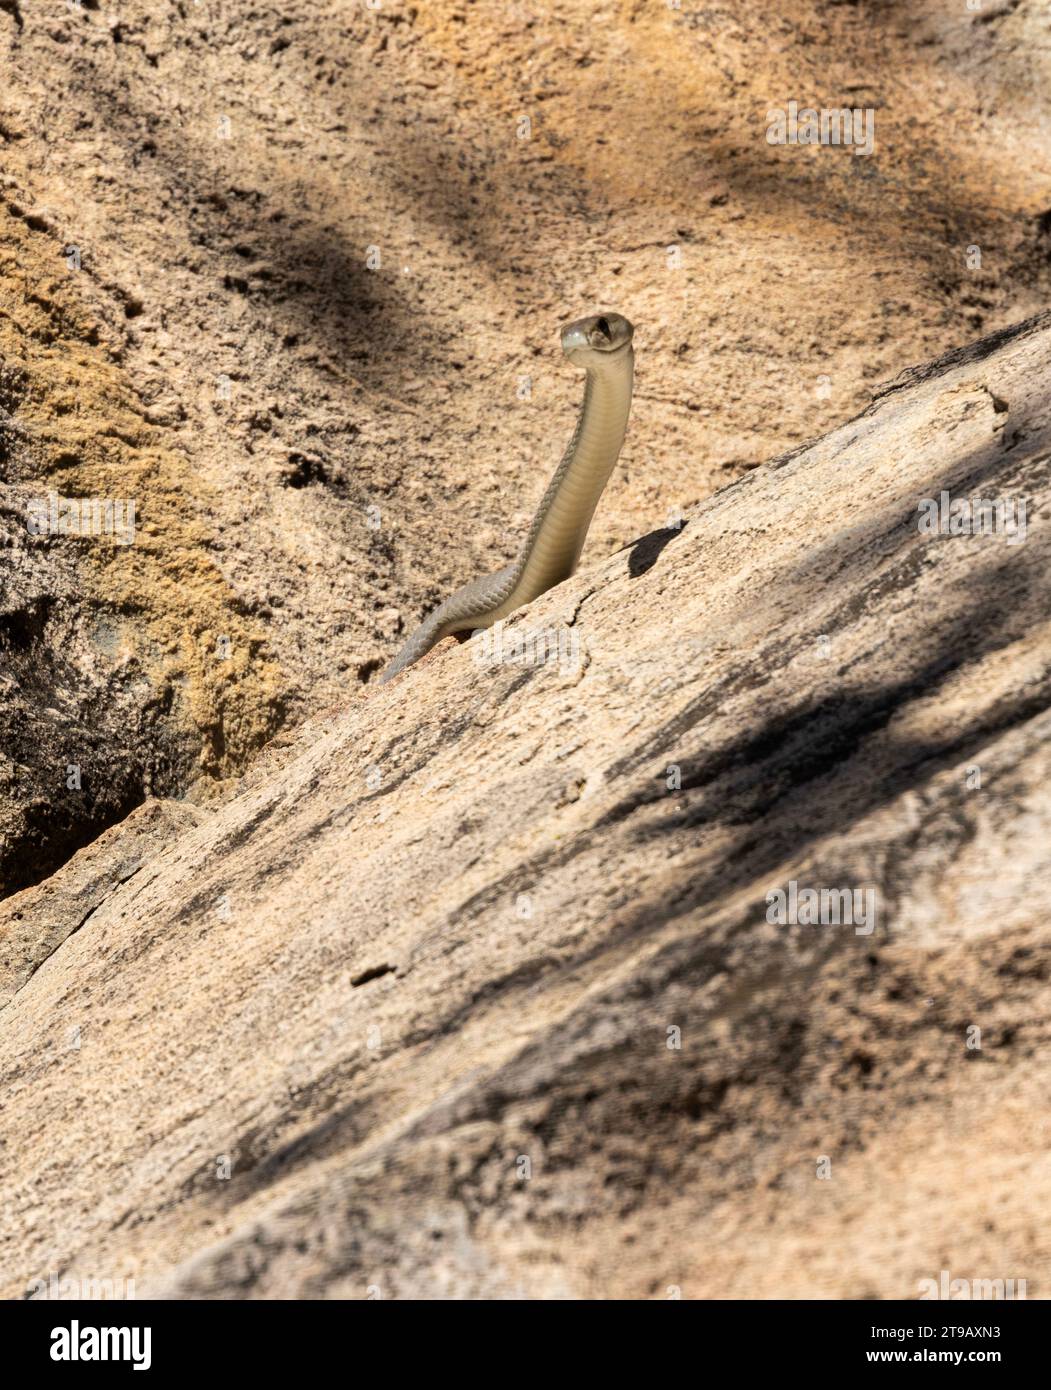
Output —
<point x="35" y="923"/>
<point x="321" y="444"/>
<point x="470" y="987"/>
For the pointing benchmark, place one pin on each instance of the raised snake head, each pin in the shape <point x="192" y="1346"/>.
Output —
<point x="590" y="342"/>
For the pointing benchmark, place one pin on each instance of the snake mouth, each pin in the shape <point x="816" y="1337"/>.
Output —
<point x="602" y="333"/>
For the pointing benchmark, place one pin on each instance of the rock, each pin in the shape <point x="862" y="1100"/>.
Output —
<point x="34" y="924"/>
<point x="476" y="986"/>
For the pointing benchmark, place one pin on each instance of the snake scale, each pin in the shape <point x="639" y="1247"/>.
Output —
<point x="602" y="346"/>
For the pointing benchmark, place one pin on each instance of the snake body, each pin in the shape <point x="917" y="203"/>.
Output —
<point x="602" y="346"/>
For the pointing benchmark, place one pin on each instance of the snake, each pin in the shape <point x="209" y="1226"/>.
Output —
<point x="602" y="345"/>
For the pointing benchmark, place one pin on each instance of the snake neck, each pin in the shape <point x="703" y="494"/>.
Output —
<point x="557" y="535"/>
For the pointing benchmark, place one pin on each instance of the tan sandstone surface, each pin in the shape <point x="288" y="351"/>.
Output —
<point x="469" y="988"/>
